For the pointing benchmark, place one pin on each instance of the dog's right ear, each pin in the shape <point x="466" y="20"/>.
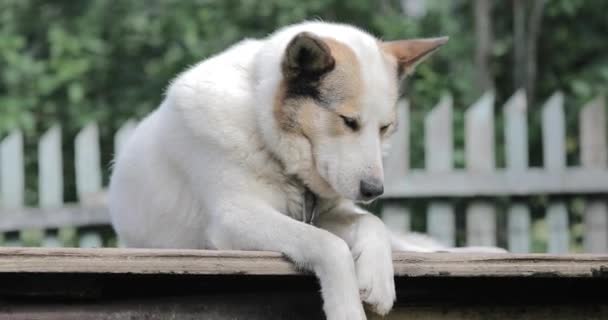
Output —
<point x="307" y="57"/>
<point x="409" y="53"/>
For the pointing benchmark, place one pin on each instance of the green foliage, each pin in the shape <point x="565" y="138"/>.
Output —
<point x="72" y="62"/>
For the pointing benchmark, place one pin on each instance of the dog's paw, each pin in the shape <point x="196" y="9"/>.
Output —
<point x="374" y="266"/>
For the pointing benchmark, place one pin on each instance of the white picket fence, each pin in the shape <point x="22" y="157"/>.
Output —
<point x="481" y="180"/>
<point x="438" y="183"/>
<point x="51" y="212"/>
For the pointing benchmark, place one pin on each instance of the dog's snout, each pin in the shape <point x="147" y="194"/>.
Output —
<point x="371" y="188"/>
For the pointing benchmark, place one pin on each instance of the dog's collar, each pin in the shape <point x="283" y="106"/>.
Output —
<point x="310" y="209"/>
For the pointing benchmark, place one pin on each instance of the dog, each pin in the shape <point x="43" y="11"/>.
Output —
<point x="269" y="145"/>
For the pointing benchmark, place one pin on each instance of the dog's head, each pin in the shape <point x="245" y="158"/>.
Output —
<point x="342" y="99"/>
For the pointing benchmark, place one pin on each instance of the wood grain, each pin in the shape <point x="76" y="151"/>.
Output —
<point x="210" y="262"/>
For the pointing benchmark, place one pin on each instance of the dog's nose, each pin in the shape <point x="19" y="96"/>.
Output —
<point x="371" y="188"/>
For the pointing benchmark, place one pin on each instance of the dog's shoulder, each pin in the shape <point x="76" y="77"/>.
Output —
<point x="225" y="74"/>
<point x="214" y="97"/>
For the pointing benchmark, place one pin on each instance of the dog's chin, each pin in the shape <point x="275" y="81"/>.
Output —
<point x="365" y="201"/>
<point x="356" y="198"/>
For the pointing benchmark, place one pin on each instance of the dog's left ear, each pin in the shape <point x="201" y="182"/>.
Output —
<point x="307" y="56"/>
<point x="409" y="53"/>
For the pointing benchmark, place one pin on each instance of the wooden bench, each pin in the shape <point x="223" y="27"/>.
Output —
<point x="43" y="283"/>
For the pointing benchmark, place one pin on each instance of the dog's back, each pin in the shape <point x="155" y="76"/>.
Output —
<point x="206" y="112"/>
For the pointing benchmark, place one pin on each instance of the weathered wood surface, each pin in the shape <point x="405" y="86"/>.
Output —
<point x="117" y="284"/>
<point x="209" y="262"/>
<point x="299" y="305"/>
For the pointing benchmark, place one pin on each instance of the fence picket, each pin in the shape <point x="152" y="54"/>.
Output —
<point x="87" y="161"/>
<point x="439" y="155"/>
<point x="554" y="155"/>
<point x="12" y="176"/>
<point x="50" y="176"/>
<point x="396" y="164"/>
<point x="479" y="143"/>
<point x="594" y="155"/>
<point x="516" y="150"/>
<point x="88" y="176"/>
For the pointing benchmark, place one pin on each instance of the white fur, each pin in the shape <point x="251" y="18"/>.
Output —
<point x="211" y="169"/>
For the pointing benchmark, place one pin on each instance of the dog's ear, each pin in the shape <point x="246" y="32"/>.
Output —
<point x="308" y="57"/>
<point x="410" y="53"/>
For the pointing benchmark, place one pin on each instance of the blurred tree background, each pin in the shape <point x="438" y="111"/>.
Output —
<point x="72" y="62"/>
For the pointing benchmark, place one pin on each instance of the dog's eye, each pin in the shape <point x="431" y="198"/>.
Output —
<point x="352" y="123"/>
<point x="384" y="128"/>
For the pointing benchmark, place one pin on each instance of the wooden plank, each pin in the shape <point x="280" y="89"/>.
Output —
<point x="479" y="143"/>
<point x="88" y="176"/>
<point x="249" y="297"/>
<point x="439" y="157"/>
<point x="123" y="134"/>
<point x="267" y="305"/>
<point x="286" y="306"/>
<point x="516" y="151"/>
<point x="50" y="176"/>
<point x="12" y="176"/>
<point x="396" y="164"/>
<point x="297" y="298"/>
<point x="533" y="181"/>
<point x="143" y="261"/>
<point x="594" y="154"/>
<point x="554" y="157"/>
<point x="165" y="261"/>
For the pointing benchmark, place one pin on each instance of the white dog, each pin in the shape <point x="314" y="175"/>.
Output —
<point x="267" y="146"/>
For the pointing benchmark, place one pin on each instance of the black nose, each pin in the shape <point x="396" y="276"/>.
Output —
<point x="371" y="188"/>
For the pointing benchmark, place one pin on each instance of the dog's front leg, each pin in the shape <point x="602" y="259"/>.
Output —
<point x="249" y="225"/>
<point x="370" y="245"/>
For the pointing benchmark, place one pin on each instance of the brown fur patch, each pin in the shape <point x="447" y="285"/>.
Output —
<point x="339" y="94"/>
